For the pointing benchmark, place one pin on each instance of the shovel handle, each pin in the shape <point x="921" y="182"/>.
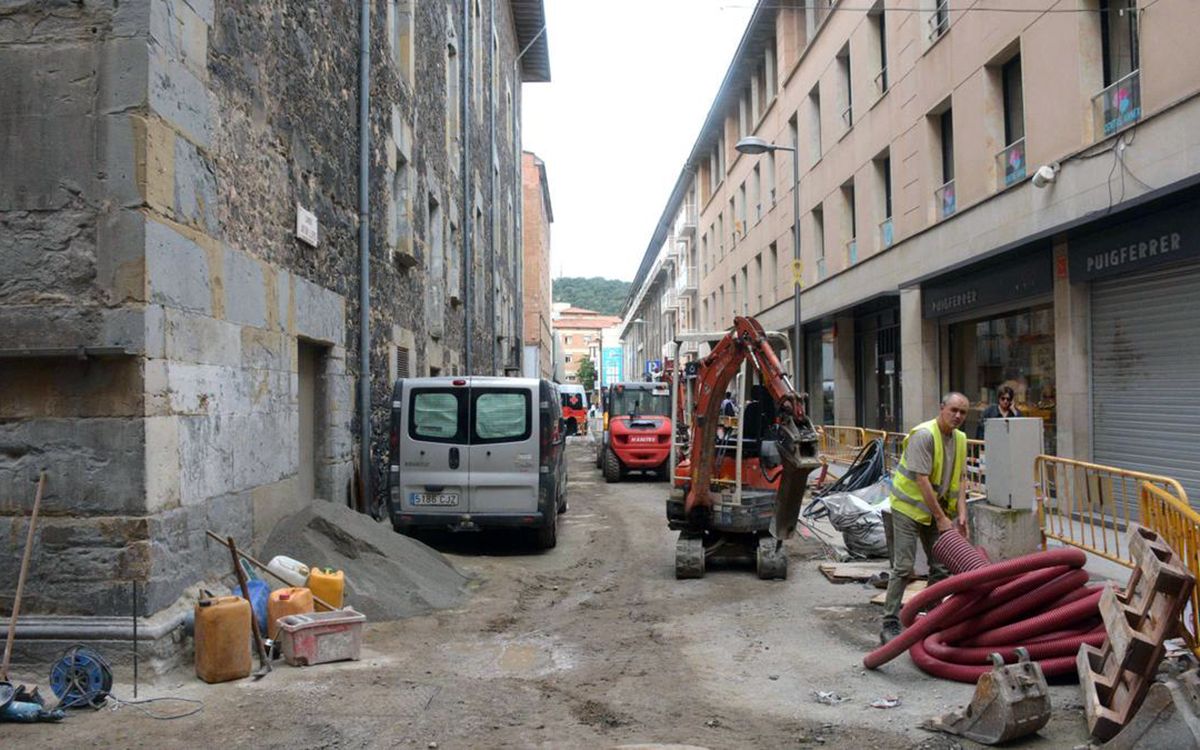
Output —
<point x="241" y="576"/>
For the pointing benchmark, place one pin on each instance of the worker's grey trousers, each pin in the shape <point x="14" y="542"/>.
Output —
<point x="905" y="533"/>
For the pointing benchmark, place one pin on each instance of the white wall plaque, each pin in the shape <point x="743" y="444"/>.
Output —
<point x="306" y="226"/>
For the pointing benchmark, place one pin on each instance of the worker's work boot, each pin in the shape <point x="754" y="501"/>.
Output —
<point x="891" y="629"/>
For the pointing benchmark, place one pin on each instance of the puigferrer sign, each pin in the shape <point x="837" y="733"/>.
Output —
<point x="1143" y="242"/>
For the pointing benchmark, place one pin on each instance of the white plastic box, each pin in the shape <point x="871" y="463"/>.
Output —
<point x="320" y="637"/>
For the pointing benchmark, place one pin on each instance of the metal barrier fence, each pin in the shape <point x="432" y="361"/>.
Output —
<point x="841" y="444"/>
<point x="1179" y="526"/>
<point x="1090" y="505"/>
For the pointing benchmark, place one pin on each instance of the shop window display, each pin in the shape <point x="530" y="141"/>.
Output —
<point x="1015" y="349"/>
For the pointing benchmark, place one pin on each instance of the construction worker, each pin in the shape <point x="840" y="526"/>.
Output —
<point x="928" y="498"/>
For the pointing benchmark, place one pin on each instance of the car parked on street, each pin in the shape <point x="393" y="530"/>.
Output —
<point x="470" y="453"/>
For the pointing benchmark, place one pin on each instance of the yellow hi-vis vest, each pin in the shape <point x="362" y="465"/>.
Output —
<point x="906" y="495"/>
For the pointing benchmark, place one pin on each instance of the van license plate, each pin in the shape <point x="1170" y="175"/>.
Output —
<point x="434" y="498"/>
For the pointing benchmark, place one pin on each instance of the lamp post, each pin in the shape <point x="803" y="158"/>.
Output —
<point x="754" y="145"/>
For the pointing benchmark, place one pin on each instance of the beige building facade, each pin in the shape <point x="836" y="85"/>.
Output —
<point x="581" y="335"/>
<point x="538" y="215"/>
<point x="986" y="199"/>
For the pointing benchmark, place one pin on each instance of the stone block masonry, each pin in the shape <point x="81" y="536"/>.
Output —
<point x="171" y="354"/>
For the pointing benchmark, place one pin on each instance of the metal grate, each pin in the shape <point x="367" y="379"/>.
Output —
<point x="402" y="358"/>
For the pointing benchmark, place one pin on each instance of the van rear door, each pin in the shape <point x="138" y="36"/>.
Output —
<point x="504" y="449"/>
<point x="435" y="458"/>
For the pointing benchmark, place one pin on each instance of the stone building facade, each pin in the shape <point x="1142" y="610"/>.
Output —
<point x="171" y="353"/>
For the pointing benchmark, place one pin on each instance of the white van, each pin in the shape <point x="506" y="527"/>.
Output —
<point x="469" y="453"/>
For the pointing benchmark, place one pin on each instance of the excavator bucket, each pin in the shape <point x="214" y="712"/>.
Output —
<point x="798" y="450"/>
<point x="1011" y="701"/>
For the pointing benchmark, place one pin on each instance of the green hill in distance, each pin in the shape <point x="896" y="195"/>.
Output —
<point x="592" y="293"/>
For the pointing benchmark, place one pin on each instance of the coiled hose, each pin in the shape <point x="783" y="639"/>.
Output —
<point x="1038" y="601"/>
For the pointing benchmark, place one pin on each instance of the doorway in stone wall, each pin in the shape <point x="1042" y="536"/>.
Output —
<point x="310" y="365"/>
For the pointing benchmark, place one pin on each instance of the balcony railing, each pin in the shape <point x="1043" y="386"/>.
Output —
<point x="940" y="20"/>
<point x="1010" y="164"/>
<point x="852" y="251"/>
<point x="881" y="80"/>
<point x="670" y="299"/>
<point x="885" y="233"/>
<point x="686" y="279"/>
<point x="848" y="116"/>
<point x="820" y="268"/>
<point x="1119" y="105"/>
<point x="945" y="200"/>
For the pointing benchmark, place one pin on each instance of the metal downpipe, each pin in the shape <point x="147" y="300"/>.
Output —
<point x="364" y="253"/>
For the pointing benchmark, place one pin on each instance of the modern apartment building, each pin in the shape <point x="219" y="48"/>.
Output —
<point x="987" y="197"/>
<point x="537" y="217"/>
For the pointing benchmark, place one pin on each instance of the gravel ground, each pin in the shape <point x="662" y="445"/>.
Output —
<point x="593" y="644"/>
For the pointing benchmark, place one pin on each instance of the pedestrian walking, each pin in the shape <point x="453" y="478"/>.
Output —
<point x="928" y="498"/>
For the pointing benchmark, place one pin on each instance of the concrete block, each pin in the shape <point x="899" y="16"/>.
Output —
<point x="162" y="463"/>
<point x="49" y="257"/>
<point x="320" y="312"/>
<point x="266" y="350"/>
<point x="96" y="466"/>
<point x="177" y="272"/>
<point x="200" y="339"/>
<point x="121" y="256"/>
<point x="118" y="157"/>
<point x="155" y="322"/>
<point x="206" y="447"/>
<point x="195" y="188"/>
<point x="267" y="447"/>
<point x="156" y="168"/>
<point x="124" y="327"/>
<point x="48" y="93"/>
<point x="52" y="389"/>
<point x="1004" y="533"/>
<point x="245" y="289"/>
<point x="180" y="97"/>
<point x="123" y="74"/>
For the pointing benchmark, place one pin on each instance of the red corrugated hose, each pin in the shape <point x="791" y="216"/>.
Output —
<point x="1039" y="601"/>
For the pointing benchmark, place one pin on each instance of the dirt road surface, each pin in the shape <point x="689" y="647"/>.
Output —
<point x="593" y="645"/>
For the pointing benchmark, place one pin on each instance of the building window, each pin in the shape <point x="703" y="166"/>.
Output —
<point x="771" y="172"/>
<point x="756" y="193"/>
<point x="403" y="362"/>
<point x="741" y="200"/>
<point x="567" y="358"/>
<point x="814" y="124"/>
<point x="944" y="196"/>
<point x="477" y="59"/>
<point x="453" y="99"/>
<point x="1118" y="38"/>
<point x="1014" y="349"/>
<point x="846" y="87"/>
<point x="819" y="364"/>
<point x="884" y="169"/>
<point x="851" y="229"/>
<point x="435" y="303"/>
<point x="400" y="239"/>
<point x="773" y="271"/>
<point x="818" y="218"/>
<point x="879" y="27"/>
<point x="939" y="22"/>
<point x="758" y="283"/>
<point x="1012" y="158"/>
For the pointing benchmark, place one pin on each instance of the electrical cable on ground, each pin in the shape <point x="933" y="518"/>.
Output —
<point x="82" y="677"/>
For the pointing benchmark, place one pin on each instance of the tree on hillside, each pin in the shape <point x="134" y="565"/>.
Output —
<point x="586" y="373"/>
<point x="606" y="296"/>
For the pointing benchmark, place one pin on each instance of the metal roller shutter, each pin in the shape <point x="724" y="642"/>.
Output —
<point x="1145" y="361"/>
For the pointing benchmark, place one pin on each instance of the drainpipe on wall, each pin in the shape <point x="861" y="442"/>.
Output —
<point x="468" y="204"/>
<point x="364" y="253"/>
<point x="492" y="197"/>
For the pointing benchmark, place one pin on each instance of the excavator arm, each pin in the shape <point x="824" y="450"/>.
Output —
<point x="798" y="440"/>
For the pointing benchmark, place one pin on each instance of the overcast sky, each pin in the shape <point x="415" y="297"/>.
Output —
<point x="632" y="81"/>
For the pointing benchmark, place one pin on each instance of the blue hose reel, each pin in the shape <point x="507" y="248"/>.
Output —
<point x="81" y="677"/>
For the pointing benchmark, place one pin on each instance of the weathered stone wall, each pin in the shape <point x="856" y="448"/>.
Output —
<point x="159" y="149"/>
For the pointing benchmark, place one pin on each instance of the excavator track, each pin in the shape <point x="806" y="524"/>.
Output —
<point x="689" y="555"/>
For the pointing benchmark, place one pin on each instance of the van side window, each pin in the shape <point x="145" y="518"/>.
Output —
<point x="436" y="415"/>
<point x="501" y="415"/>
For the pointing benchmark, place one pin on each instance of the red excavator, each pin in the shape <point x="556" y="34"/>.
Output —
<point x="739" y="503"/>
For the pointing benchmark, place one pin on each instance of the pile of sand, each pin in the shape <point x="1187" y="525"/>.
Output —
<point x="388" y="575"/>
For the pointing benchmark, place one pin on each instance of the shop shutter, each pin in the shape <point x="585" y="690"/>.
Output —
<point x="1145" y="362"/>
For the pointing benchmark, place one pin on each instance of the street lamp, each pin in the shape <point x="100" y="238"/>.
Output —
<point x="754" y="146"/>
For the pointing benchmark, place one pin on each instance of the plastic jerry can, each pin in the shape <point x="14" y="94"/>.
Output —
<point x="296" y="600"/>
<point x="328" y="584"/>
<point x="290" y="570"/>
<point x="260" y="591"/>
<point x="223" y="639"/>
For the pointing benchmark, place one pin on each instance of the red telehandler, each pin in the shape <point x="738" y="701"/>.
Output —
<point x="716" y="515"/>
